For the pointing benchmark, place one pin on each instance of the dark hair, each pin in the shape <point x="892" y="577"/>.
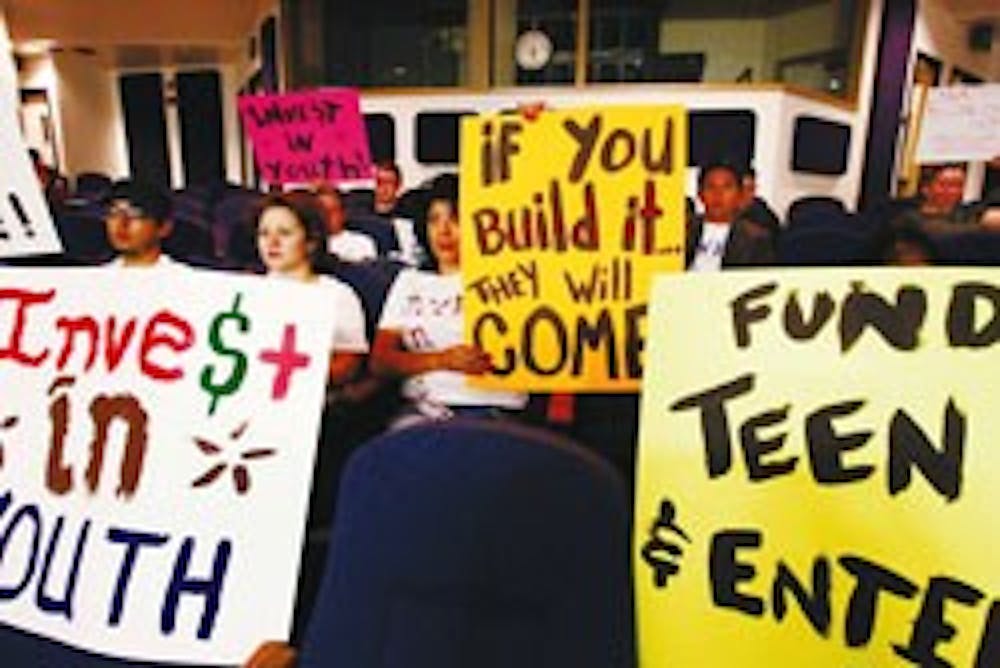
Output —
<point x="390" y="166"/>
<point x="34" y="155"/>
<point x="929" y="172"/>
<point x="749" y="171"/>
<point x="328" y="190"/>
<point x="445" y="187"/>
<point x="913" y="236"/>
<point x="303" y="205"/>
<point x="151" y="199"/>
<point x="707" y="168"/>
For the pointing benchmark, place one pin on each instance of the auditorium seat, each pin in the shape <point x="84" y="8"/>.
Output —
<point x="232" y="218"/>
<point x="379" y="229"/>
<point x="814" y="212"/>
<point x="359" y="200"/>
<point x="825" y="247"/>
<point x="371" y="281"/>
<point x="972" y="248"/>
<point x="413" y="204"/>
<point x="83" y="233"/>
<point x="92" y="186"/>
<point x="20" y="648"/>
<point x="192" y="205"/>
<point x="190" y="242"/>
<point x="475" y="544"/>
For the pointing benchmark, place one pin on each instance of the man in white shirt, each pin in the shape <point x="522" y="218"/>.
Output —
<point x="137" y="221"/>
<point x="347" y="245"/>
<point x="720" y="239"/>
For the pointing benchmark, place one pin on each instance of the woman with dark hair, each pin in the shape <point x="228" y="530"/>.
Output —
<point x="291" y="238"/>
<point x="420" y="336"/>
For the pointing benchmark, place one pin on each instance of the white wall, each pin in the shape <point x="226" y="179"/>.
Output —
<point x="729" y="45"/>
<point x="87" y="115"/>
<point x="86" y="112"/>
<point x="802" y="31"/>
<point x="773" y="106"/>
<point x="39" y="73"/>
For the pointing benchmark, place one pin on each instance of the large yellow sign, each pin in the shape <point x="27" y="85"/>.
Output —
<point x="819" y="468"/>
<point x="565" y="219"/>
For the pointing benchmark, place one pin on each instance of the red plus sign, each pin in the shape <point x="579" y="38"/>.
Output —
<point x="287" y="360"/>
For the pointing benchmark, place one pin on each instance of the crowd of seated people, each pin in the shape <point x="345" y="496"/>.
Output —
<point x="391" y="266"/>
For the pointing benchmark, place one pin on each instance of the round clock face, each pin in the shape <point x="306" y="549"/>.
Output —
<point x="533" y="50"/>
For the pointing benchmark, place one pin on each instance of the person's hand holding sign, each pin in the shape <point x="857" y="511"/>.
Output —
<point x="466" y="359"/>
<point x="273" y="654"/>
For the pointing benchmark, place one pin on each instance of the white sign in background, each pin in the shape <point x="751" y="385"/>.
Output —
<point x="237" y="480"/>
<point x="961" y="123"/>
<point x="26" y="226"/>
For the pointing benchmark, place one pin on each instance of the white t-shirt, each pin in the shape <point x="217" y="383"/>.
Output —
<point x="711" y="247"/>
<point x="163" y="263"/>
<point x="351" y="246"/>
<point x="349" y="318"/>
<point x="426" y="309"/>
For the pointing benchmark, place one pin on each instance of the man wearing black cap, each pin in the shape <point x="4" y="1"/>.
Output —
<point x="138" y="221"/>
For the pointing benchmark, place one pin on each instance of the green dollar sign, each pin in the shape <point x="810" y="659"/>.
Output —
<point x="215" y="389"/>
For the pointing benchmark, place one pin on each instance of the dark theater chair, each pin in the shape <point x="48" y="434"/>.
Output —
<point x="371" y="281"/>
<point x="92" y="186"/>
<point x="471" y="544"/>
<point x="825" y="248"/>
<point x="378" y="229"/>
<point x="19" y="649"/>
<point x="812" y="208"/>
<point x="972" y="248"/>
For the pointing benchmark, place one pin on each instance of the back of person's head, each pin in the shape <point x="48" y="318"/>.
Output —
<point x="327" y="189"/>
<point x="909" y="247"/>
<point x="149" y="199"/>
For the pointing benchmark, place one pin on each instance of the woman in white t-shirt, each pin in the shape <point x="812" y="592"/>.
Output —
<point x="420" y="335"/>
<point x="290" y="237"/>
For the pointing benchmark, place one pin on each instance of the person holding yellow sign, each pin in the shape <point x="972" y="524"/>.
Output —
<point x="420" y="336"/>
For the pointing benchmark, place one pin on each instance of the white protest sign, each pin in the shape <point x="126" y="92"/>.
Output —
<point x="158" y="431"/>
<point x="961" y="123"/>
<point x="26" y="226"/>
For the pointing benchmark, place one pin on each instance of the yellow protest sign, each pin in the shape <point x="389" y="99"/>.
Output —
<point x="565" y="220"/>
<point x="818" y="470"/>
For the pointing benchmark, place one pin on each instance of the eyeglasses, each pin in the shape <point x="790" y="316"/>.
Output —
<point x="125" y="209"/>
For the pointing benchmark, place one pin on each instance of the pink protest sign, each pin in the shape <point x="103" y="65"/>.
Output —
<point x="308" y="136"/>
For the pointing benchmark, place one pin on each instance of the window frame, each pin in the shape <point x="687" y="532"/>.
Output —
<point x="480" y="65"/>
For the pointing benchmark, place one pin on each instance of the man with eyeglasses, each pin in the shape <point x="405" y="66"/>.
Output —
<point x="138" y="221"/>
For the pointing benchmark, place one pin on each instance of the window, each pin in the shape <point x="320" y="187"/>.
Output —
<point x="385" y="43"/>
<point x="803" y="42"/>
<point x="722" y="135"/>
<point x="809" y="43"/>
<point x="535" y="42"/>
<point x="820" y="146"/>
<point x="437" y="137"/>
<point x="381" y="136"/>
<point x="480" y="43"/>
